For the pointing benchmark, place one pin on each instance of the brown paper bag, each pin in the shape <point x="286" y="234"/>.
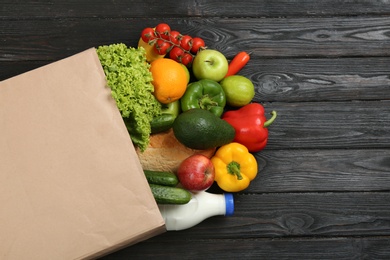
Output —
<point x="72" y="186"/>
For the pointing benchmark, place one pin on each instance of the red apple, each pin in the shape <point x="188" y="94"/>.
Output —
<point x="196" y="173"/>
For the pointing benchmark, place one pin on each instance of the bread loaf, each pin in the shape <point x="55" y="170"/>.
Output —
<point x="165" y="153"/>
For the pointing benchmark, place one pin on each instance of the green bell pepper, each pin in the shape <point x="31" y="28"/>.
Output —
<point x="164" y="122"/>
<point x="205" y="94"/>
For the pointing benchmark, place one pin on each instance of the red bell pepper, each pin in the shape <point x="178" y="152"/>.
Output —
<point x="251" y="125"/>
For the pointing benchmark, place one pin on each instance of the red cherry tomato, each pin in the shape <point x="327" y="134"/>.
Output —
<point x="238" y="62"/>
<point x="197" y="43"/>
<point x="186" y="42"/>
<point x="175" y="37"/>
<point x="186" y="59"/>
<point x="147" y="34"/>
<point x="176" y="54"/>
<point x="161" y="47"/>
<point x="163" y="30"/>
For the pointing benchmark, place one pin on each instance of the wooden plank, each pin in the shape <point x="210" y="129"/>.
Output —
<point x="294" y="80"/>
<point x="173" y="8"/>
<point x="293" y="215"/>
<point x="310" y="214"/>
<point x="265" y="38"/>
<point x="300" y="80"/>
<point x="10" y="69"/>
<point x="322" y="170"/>
<point x="169" y="247"/>
<point x="329" y="125"/>
<point x="297" y="37"/>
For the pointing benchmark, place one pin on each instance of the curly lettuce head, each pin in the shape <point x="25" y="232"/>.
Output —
<point x="130" y="80"/>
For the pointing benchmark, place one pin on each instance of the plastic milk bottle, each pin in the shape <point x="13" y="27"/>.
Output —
<point x="201" y="206"/>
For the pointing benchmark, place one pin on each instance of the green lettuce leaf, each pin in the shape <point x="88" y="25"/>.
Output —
<point x="130" y="80"/>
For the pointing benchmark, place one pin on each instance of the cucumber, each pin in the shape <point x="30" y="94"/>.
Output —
<point x="170" y="195"/>
<point x="161" y="178"/>
<point x="162" y="123"/>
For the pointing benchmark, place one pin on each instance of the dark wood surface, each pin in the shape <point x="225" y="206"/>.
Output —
<point x="323" y="190"/>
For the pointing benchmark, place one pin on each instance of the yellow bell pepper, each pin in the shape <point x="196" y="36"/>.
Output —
<point x="235" y="167"/>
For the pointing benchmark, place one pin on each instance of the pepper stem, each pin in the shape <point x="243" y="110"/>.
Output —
<point x="205" y="102"/>
<point x="271" y="120"/>
<point x="233" y="168"/>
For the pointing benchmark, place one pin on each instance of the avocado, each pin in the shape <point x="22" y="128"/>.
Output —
<point x="200" y="129"/>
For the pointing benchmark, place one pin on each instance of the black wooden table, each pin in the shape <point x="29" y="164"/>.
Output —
<point x="323" y="190"/>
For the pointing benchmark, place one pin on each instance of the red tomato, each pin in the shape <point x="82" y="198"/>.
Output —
<point x="176" y="54"/>
<point x="161" y="47"/>
<point x="147" y="34"/>
<point x="197" y="43"/>
<point x="186" y="42"/>
<point x="186" y="59"/>
<point x="163" y="30"/>
<point x="175" y="37"/>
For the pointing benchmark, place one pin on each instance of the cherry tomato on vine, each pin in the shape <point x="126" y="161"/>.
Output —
<point x="162" y="47"/>
<point x="186" y="42"/>
<point x="163" y="30"/>
<point x="186" y="59"/>
<point x="147" y="34"/>
<point x="176" y="54"/>
<point x="175" y="37"/>
<point x="197" y="44"/>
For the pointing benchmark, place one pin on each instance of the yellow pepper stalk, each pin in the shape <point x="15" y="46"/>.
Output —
<point x="235" y="167"/>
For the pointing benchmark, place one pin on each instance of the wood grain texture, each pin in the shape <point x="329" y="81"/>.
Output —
<point x="303" y="80"/>
<point x="319" y="170"/>
<point x="320" y="248"/>
<point x="203" y="8"/>
<point x="293" y="80"/>
<point x="265" y="38"/>
<point x="329" y="125"/>
<point x="323" y="187"/>
<point x="257" y="248"/>
<point x="297" y="37"/>
<point x="294" y="215"/>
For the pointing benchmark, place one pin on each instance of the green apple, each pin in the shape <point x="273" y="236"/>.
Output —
<point x="210" y="64"/>
<point x="239" y="90"/>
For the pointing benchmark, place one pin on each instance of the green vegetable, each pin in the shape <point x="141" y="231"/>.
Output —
<point x="161" y="178"/>
<point x="162" y="123"/>
<point x="205" y="94"/>
<point x="130" y="80"/>
<point x="168" y="115"/>
<point x="200" y="129"/>
<point x="170" y="195"/>
<point x="172" y="108"/>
